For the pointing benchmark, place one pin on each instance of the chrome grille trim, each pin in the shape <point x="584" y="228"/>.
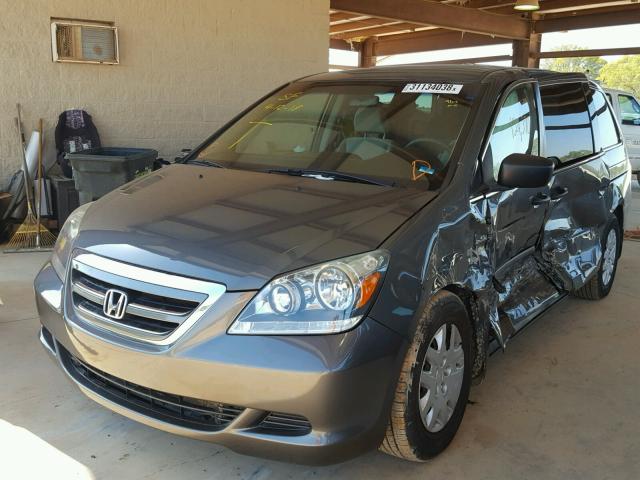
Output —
<point x="139" y="279"/>
<point x="132" y="308"/>
<point x="117" y="327"/>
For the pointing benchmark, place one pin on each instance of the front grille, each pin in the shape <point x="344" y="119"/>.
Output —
<point x="184" y="411"/>
<point x="157" y="305"/>
<point x="285" y="423"/>
<point x="145" y="311"/>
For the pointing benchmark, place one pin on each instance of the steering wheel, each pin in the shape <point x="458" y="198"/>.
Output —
<point x="432" y="147"/>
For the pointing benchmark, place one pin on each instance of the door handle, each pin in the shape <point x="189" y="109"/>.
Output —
<point x="559" y="192"/>
<point x="540" y="198"/>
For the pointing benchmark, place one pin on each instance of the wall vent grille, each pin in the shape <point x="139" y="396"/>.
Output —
<point x="79" y="41"/>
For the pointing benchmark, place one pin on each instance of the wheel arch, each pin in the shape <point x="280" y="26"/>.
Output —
<point x="479" y="326"/>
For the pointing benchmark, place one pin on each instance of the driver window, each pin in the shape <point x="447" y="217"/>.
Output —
<point x="515" y="130"/>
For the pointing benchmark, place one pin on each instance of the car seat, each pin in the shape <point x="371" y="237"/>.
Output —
<point x="75" y="132"/>
<point x="369" y="134"/>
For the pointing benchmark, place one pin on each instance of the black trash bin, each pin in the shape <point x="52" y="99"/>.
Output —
<point x="99" y="170"/>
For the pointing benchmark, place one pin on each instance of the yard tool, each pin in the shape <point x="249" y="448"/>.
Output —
<point x="30" y="235"/>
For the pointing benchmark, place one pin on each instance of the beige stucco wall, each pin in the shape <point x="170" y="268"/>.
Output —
<point x="186" y="66"/>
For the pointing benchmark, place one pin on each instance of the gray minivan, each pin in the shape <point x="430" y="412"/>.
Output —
<point x="328" y="273"/>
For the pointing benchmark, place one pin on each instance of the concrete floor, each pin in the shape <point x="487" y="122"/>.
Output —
<point x="634" y="214"/>
<point x="563" y="402"/>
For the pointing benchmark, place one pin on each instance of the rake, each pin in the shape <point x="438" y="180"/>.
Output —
<point x="31" y="235"/>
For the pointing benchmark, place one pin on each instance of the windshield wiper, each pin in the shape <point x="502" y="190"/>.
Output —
<point x="330" y="175"/>
<point x="204" y="163"/>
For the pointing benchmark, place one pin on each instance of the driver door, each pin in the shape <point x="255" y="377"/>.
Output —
<point x="517" y="215"/>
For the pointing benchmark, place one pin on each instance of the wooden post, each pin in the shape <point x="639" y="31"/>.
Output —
<point x="525" y="52"/>
<point x="367" y="53"/>
<point x="520" y="53"/>
<point x="535" y="43"/>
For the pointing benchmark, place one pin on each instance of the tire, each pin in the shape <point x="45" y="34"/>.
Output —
<point x="638" y="178"/>
<point x="407" y="435"/>
<point x="600" y="283"/>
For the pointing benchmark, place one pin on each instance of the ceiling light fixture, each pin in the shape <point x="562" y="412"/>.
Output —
<point x="527" y="5"/>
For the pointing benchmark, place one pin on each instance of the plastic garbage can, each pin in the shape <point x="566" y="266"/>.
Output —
<point x="99" y="170"/>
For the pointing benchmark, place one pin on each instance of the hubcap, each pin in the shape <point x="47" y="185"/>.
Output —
<point x="609" y="257"/>
<point x="441" y="377"/>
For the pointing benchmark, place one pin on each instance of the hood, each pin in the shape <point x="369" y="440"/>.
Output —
<point x="238" y="227"/>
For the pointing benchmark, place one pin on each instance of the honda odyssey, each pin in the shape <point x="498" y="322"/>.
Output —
<point x="328" y="273"/>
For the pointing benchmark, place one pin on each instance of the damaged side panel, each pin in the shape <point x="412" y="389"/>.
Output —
<point x="452" y="250"/>
<point x="572" y="246"/>
<point x="572" y="237"/>
<point x="461" y="256"/>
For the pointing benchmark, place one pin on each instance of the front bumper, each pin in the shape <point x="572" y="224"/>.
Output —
<point x="342" y="384"/>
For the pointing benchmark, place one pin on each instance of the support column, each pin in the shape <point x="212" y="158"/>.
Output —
<point x="535" y="44"/>
<point x="367" y="53"/>
<point x="525" y="52"/>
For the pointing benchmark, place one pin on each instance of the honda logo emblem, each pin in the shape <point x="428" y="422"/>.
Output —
<point x="115" y="304"/>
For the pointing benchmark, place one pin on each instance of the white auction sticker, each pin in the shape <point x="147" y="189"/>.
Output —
<point x="432" y="88"/>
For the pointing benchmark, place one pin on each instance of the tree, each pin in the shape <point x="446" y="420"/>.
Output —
<point x="623" y="74"/>
<point x="590" y="66"/>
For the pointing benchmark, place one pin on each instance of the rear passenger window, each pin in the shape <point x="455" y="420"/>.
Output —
<point x="566" y="119"/>
<point x="605" y="132"/>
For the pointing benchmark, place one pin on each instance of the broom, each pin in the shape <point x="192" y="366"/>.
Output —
<point x="31" y="235"/>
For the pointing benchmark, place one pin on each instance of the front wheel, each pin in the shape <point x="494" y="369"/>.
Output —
<point x="600" y="284"/>
<point x="433" y="388"/>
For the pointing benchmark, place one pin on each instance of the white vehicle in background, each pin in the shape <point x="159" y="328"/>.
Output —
<point x="627" y="109"/>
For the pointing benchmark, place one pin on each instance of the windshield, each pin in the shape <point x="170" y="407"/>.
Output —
<point x="402" y="133"/>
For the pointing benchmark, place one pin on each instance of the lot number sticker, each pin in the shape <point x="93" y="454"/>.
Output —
<point x="432" y="88"/>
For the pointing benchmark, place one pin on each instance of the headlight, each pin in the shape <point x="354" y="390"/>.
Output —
<point x="68" y="234"/>
<point x="328" y="298"/>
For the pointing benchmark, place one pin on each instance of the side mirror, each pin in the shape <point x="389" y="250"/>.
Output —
<point x="519" y="170"/>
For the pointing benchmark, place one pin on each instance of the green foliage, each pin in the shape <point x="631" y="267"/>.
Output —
<point x="623" y="74"/>
<point x="591" y="66"/>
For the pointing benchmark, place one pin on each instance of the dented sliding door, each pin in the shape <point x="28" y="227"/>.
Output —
<point x="577" y="212"/>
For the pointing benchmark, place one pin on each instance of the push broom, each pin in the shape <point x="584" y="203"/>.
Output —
<point x="31" y="235"/>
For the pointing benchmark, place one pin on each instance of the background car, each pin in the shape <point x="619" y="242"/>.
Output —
<point x="627" y="110"/>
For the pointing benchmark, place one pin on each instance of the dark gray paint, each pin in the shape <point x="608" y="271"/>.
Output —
<point x="242" y="228"/>
<point x="507" y="260"/>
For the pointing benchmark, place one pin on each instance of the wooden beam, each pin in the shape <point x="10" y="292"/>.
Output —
<point x="428" y="12"/>
<point x="457" y="61"/>
<point x="344" y="45"/>
<point x="551" y="6"/>
<point x="590" y="20"/>
<point x="374" y="31"/>
<point x="353" y="25"/>
<point x="506" y="6"/>
<point x="600" y="52"/>
<point x="342" y="17"/>
<point x="432" y="40"/>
